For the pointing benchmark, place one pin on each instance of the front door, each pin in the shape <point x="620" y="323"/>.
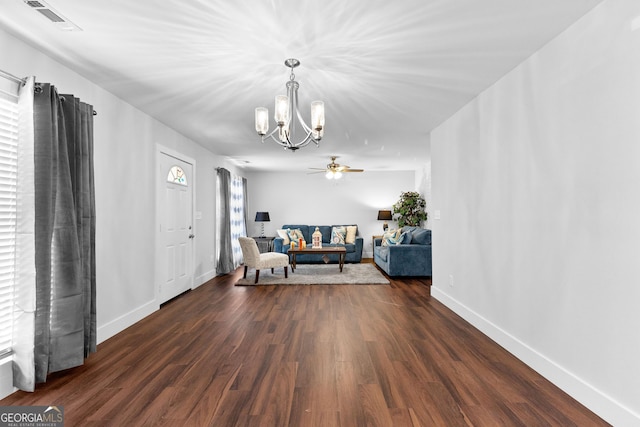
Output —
<point x="174" y="263"/>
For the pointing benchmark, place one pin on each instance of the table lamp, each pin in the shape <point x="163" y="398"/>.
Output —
<point x="262" y="217"/>
<point x="384" y="216"/>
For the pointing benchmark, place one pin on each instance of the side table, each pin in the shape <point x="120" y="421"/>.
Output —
<point x="265" y="244"/>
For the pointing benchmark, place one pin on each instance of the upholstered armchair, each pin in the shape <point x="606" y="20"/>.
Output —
<point x="254" y="259"/>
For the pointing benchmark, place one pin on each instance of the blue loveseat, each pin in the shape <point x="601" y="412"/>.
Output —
<point x="412" y="257"/>
<point x="354" y="250"/>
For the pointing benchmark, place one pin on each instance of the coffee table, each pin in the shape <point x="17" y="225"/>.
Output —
<point x="340" y="250"/>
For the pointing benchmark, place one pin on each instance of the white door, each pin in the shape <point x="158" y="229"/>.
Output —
<point x="175" y="216"/>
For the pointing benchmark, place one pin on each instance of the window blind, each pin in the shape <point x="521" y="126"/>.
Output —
<point x="8" y="173"/>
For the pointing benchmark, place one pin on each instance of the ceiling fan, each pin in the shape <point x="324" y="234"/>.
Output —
<point x="335" y="170"/>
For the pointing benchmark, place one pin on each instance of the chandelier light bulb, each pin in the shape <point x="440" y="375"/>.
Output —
<point x="282" y="110"/>
<point x="262" y="121"/>
<point x="317" y="115"/>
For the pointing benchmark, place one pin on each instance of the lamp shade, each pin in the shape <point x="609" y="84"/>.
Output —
<point x="384" y="215"/>
<point x="262" y="217"/>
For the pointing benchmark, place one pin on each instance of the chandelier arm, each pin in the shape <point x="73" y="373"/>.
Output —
<point x="290" y="145"/>
<point x="276" y="140"/>
<point x="270" y="133"/>
<point x="302" y="122"/>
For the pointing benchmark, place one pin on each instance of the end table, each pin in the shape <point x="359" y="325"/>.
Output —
<point x="265" y="244"/>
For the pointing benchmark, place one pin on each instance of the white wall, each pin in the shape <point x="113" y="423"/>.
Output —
<point x="125" y="141"/>
<point x="537" y="182"/>
<point x="423" y="183"/>
<point x="300" y="198"/>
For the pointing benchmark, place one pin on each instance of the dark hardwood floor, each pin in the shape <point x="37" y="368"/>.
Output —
<point x="326" y="355"/>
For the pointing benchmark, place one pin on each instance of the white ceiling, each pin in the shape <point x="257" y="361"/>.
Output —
<point x="388" y="71"/>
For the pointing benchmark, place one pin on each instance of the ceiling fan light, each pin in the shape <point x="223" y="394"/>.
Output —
<point x="262" y="120"/>
<point x="317" y="115"/>
<point x="281" y="114"/>
<point x="329" y="175"/>
<point x="337" y="175"/>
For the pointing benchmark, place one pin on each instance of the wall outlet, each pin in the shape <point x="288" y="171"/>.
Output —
<point x="451" y="280"/>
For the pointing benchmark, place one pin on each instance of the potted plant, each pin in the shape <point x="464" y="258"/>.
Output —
<point x="410" y="209"/>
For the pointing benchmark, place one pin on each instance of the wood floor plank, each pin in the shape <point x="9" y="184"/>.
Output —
<point x="326" y="355"/>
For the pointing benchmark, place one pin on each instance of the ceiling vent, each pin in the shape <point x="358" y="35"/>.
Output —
<point x="52" y="15"/>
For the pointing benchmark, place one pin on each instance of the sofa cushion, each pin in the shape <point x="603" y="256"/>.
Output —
<point x="391" y="237"/>
<point x="338" y="234"/>
<point x="382" y="252"/>
<point x="284" y="235"/>
<point x="421" y="236"/>
<point x="352" y="230"/>
<point x="295" y="234"/>
<point x="303" y="228"/>
<point x="410" y="228"/>
<point x="405" y="238"/>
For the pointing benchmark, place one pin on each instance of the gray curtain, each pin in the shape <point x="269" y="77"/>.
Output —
<point x="78" y="118"/>
<point x="65" y="319"/>
<point x="225" y="253"/>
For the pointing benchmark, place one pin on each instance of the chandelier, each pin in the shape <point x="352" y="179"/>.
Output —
<point x="286" y="107"/>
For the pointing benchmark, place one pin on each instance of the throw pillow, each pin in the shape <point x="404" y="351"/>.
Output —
<point x="295" y="234"/>
<point x="391" y="237"/>
<point x="421" y="236"/>
<point x="351" y="234"/>
<point x="405" y="238"/>
<point x="285" y="237"/>
<point x="338" y="234"/>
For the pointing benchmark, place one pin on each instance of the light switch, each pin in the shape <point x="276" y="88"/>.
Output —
<point x="436" y="214"/>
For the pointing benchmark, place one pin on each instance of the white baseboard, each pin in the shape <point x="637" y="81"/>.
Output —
<point x="204" y="278"/>
<point x="598" y="402"/>
<point x="6" y="377"/>
<point x="104" y="332"/>
<point x="115" y="326"/>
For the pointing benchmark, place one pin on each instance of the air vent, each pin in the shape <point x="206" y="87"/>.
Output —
<point x="52" y="15"/>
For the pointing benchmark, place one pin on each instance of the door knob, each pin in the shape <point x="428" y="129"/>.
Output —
<point x="191" y="236"/>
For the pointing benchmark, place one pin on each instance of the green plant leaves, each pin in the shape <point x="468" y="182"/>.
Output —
<point x="410" y="209"/>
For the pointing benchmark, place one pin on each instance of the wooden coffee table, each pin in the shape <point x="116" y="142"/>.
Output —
<point x="340" y="250"/>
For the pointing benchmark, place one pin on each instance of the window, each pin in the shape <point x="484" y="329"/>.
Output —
<point x="8" y="172"/>
<point x="177" y="176"/>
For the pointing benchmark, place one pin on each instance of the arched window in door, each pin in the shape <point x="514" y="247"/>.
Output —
<point x="177" y="176"/>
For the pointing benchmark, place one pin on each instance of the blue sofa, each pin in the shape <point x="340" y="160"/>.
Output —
<point x="410" y="258"/>
<point x="354" y="250"/>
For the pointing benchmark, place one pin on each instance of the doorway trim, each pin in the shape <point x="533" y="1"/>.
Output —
<point x="163" y="150"/>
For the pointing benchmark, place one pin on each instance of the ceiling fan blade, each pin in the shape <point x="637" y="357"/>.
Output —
<point x="318" y="169"/>
<point x="353" y="170"/>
